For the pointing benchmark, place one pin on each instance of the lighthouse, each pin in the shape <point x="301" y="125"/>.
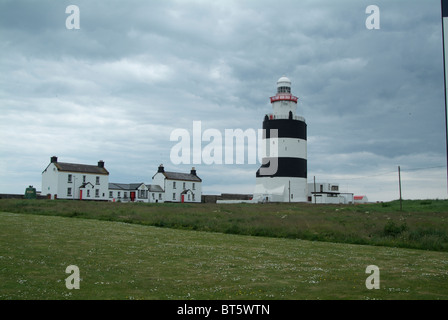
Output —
<point x="282" y="176"/>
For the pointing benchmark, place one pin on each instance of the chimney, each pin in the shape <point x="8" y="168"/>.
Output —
<point x="161" y="168"/>
<point x="54" y="159"/>
<point x="193" y="171"/>
<point x="101" y="164"/>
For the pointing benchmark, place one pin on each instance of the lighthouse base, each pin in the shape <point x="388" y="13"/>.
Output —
<point x="281" y="189"/>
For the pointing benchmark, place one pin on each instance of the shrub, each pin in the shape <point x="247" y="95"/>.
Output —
<point x="393" y="230"/>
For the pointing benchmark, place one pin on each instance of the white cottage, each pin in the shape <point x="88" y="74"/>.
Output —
<point x="126" y="192"/>
<point x="62" y="180"/>
<point x="135" y="192"/>
<point x="178" y="187"/>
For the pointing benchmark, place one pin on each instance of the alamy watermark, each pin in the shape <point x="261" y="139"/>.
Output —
<point x="72" y="281"/>
<point x="373" y="281"/>
<point x="235" y="146"/>
<point x="373" y="20"/>
<point x="73" y="20"/>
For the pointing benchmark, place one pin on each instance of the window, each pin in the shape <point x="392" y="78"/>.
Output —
<point x="194" y="186"/>
<point x="69" y="191"/>
<point x="174" y="196"/>
<point x="188" y="197"/>
<point x="118" y="194"/>
<point x="69" y="178"/>
<point x="184" y="186"/>
<point x="160" y="196"/>
<point x="83" y="179"/>
<point x="88" y="193"/>
<point x="284" y="90"/>
<point x="193" y="196"/>
<point x="334" y="188"/>
<point x="97" y="193"/>
<point x="111" y="193"/>
<point x="125" y="195"/>
<point x="174" y="184"/>
<point x="97" y="180"/>
<point x="153" y="197"/>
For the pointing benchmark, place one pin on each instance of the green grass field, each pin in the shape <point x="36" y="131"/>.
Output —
<point x="138" y="261"/>
<point x="422" y="224"/>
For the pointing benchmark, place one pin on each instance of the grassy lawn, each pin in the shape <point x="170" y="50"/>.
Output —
<point x="422" y="224"/>
<point x="134" y="261"/>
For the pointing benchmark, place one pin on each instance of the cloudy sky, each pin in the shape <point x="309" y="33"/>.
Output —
<point x="116" y="88"/>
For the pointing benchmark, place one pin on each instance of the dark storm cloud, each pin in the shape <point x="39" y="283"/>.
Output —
<point x="136" y="70"/>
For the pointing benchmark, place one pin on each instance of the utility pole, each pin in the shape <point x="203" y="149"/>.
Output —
<point x="289" y="190"/>
<point x="399" y="187"/>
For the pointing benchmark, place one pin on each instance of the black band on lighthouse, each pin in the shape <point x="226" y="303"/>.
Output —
<point x="287" y="167"/>
<point x="444" y="8"/>
<point x="286" y="128"/>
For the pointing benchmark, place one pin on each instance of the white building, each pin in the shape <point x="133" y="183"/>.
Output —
<point x="178" y="187"/>
<point x="135" y="192"/>
<point x="62" y="180"/>
<point x="328" y="193"/>
<point x="283" y="174"/>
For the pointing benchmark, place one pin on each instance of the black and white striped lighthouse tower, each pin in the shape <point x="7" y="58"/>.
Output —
<point x="283" y="175"/>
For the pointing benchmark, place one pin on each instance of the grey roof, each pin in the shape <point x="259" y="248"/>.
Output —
<point x="154" y="188"/>
<point x="82" y="168"/>
<point x="134" y="186"/>
<point x="124" y="186"/>
<point x="181" y="176"/>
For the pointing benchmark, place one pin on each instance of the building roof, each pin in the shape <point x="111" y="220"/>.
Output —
<point x="85" y="185"/>
<point x="81" y="168"/>
<point x="155" y="188"/>
<point x="134" y="186"/>
<point x="284" y="81"/>
<point x="124" y="186"/>
<point x="181" y="176"/>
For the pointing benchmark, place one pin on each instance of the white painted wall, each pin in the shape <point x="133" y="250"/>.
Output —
<point x="281" y="189"/>
<point x="50" y="181"/>
<point x="56" y="182"/>
<point x="285" y="147"/>
<point x="174" y="188"/>
<point x="282" y="108"/>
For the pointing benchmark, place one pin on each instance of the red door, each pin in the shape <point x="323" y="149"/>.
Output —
<point x="132" y="196"/>
<point x="182" y="198"/>
<point x="80" y="194"/>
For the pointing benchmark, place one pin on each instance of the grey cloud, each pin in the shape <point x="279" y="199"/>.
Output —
<point x="138" y="69"/>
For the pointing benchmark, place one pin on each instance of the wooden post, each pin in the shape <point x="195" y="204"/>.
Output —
<point x="399" y="187"/>
<point x="289" y="190"/>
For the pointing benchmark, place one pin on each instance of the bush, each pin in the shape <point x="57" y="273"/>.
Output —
<point x="393" y="230"/>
